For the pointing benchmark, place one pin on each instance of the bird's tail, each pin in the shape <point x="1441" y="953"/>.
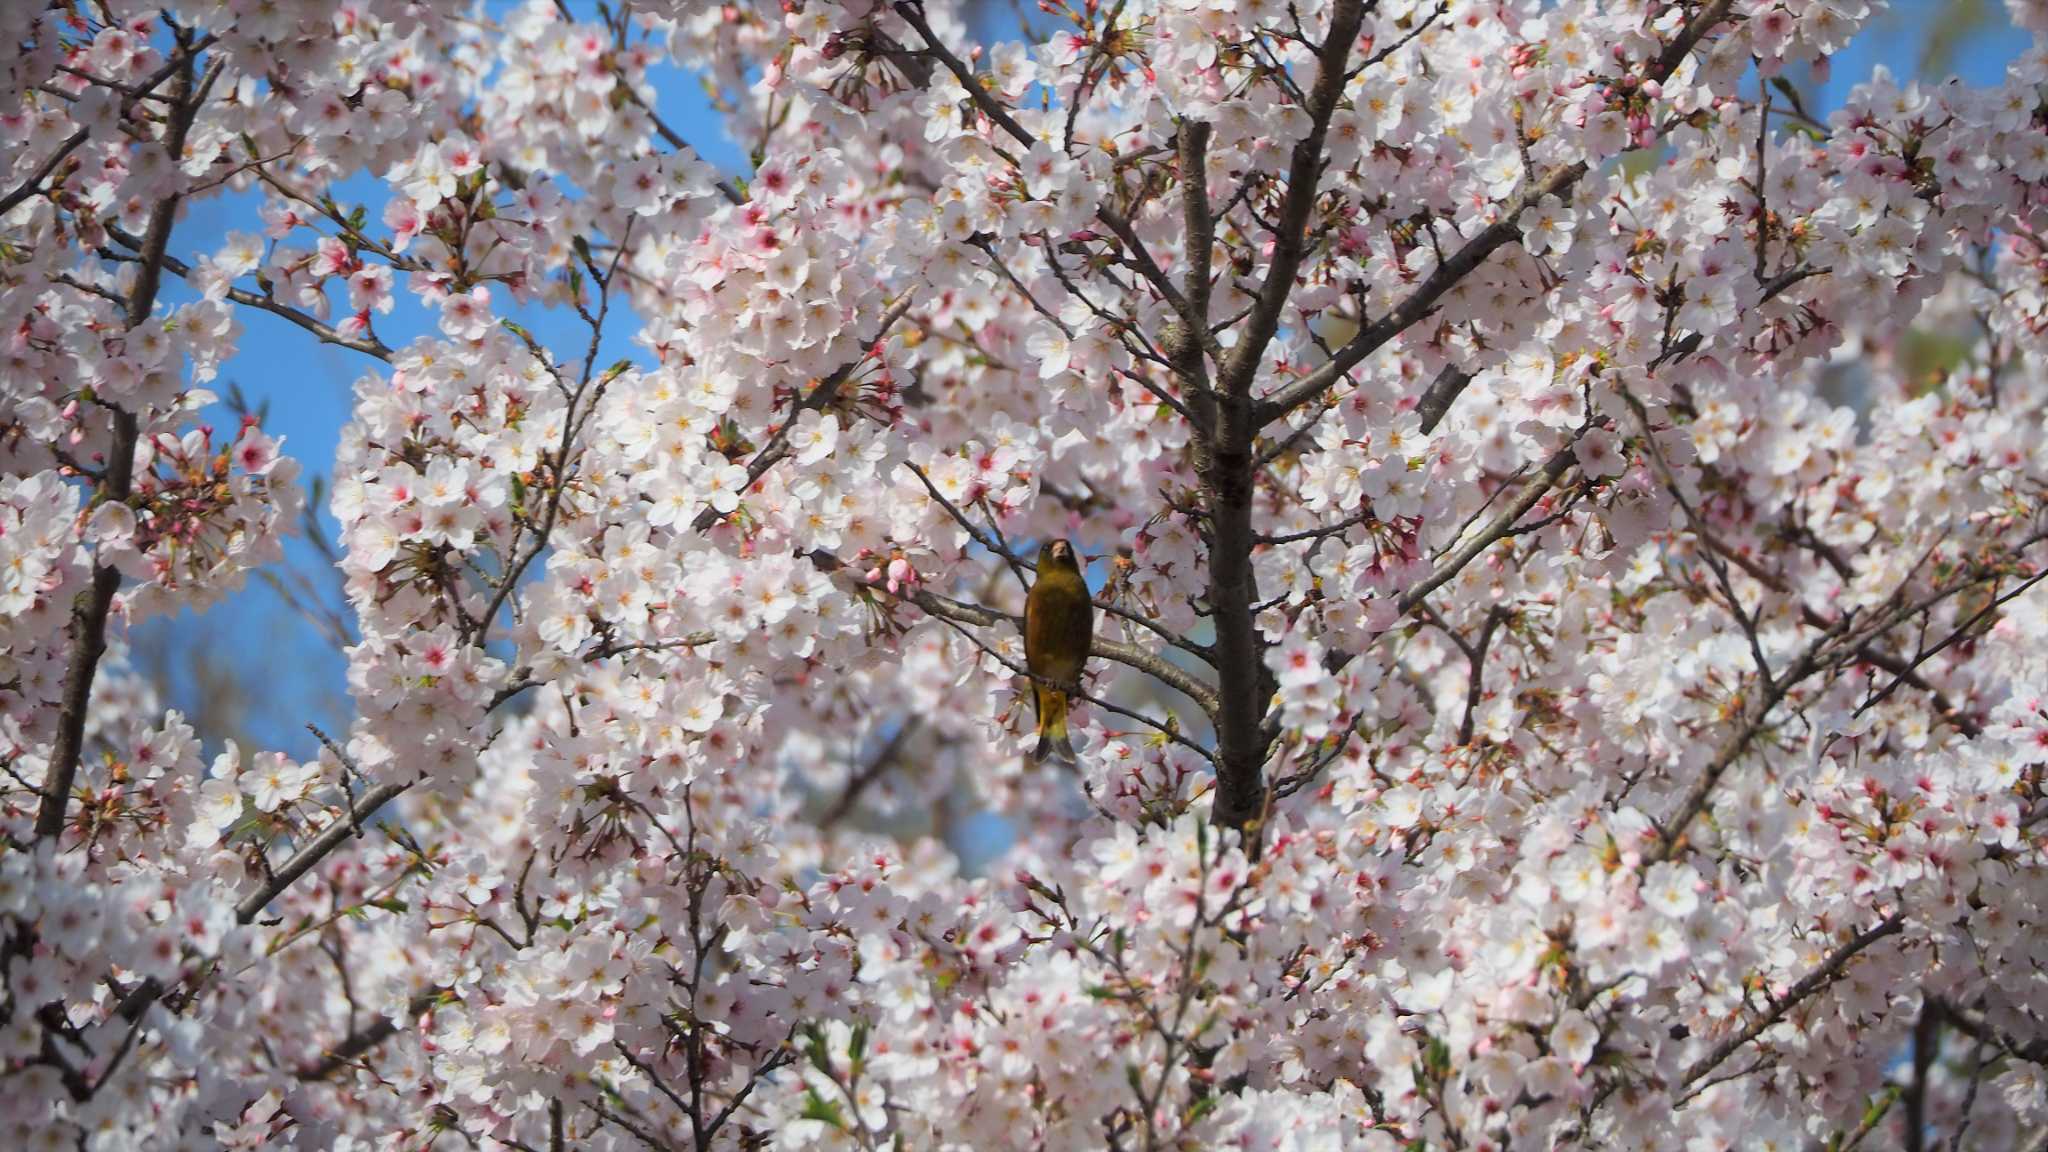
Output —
<point x="1052" y="725"/>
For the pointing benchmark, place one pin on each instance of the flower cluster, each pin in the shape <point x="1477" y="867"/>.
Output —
<point x="1566" y="519"/>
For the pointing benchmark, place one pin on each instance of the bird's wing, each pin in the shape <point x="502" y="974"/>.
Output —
<point x="1062" y="628"/>
<point x="1031" y="638"/>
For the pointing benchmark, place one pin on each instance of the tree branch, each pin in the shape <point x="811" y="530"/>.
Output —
<point x="675" y="139"/>
<point x="317" y="848"/>
<point x="842" y="806"/>
<point x="1227" y="464"/>
<point x="777" y="447"/>
<point x="1304" y="175"/>
<point x="1020" y="565"/>
<point x="1978" y="1026"/>
<point x="131" y="96"/>
<point x="976" y="615"/>
<point x="1422" y="301"/>
<point x="367" y="344"/>
<point x="1808" y="984"/>
<point x="1502" y="525"/>
<point x="912" y="12"/>
<point x="1198" y="222"/>
<point x="1443" y="392"/>
<point x="1927" y="1029"/>
<point x="363" y="1041"/>
<point x="89" y="610"/>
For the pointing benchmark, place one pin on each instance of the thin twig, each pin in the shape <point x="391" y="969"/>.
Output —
<point x="317" y="849"/>
<point x="1779" y="1005"/>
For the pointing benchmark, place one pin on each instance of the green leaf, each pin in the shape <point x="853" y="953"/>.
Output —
<point x="1784" y="88"/>
<point x="1928" y="357"/>
<point x="816" y="1107"/>
<point x="1635" y="164"/>
<point x="1949" y="27"/>
<point x="816" y="1049"/>
<point x="1438" y="1058"/>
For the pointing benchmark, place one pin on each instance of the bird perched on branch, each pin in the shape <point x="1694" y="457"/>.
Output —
<point x="1059" y="622"/>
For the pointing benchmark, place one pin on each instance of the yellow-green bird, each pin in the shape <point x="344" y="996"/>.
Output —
<point x="1059" y="622"/>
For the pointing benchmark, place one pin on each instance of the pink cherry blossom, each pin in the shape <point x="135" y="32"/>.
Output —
<point x="1568" y="666"/>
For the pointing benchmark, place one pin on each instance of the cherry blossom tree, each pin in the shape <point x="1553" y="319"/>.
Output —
<point x="1525" y="712"/>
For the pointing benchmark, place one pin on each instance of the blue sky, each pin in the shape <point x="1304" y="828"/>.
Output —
<point x="306" y="389"/>
<point x="295" y="677"/>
